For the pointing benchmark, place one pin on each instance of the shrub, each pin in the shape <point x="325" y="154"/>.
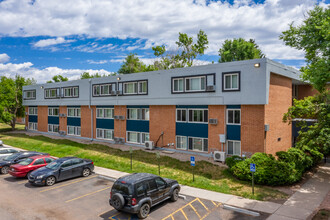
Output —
<point x="231" y="161"/>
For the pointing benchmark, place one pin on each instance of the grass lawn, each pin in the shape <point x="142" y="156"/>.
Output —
<point x="207" y="176"/>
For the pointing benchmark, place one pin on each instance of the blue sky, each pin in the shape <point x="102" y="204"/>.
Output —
<point x="40" y="39"/>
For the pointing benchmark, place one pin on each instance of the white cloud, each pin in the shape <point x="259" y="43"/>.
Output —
<point x="42" y="75"/>
<point x="4" y="58"/>
<point x="51" y="42"/>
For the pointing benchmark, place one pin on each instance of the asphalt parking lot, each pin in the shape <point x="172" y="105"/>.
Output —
<point x="87" y="198"/>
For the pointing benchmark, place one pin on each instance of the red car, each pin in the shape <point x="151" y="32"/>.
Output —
<point x="30" y="164"/>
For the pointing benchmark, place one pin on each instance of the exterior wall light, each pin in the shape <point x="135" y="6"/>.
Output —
<point x="42" y="87"/>
<point x="118" y="78"/>
<point x="257" y="65"/>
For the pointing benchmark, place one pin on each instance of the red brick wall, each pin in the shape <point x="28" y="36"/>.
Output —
<point x="120" y="125"/>
<point x="306" y="90"/>
<point x="94" y="121"/>
<point x="63" y="120"/>
<point x="43" y="118"/>
<point x="85" y="122"/>
<point x="252" y="129"/>
<point x="162" y="118"/>
<point x="27" y="117"/>
<point x="280" y="99"/>
<point x="217" y="112"/>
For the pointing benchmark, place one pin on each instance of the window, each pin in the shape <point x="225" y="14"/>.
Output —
<point x="137" y="137"/>
<point x="181" y="142"/>
<point x="105" y="113"/>
<point x="33" y="110"/>
<point x="198" y="115"/>
<point x="30" y="94"/>
<point x="96" y="90"/>
<point x="145" y="137"/>
<point x="140" y="189"/>
<point x="135" y="88"/>
<point x="104" y="133"/>
<point x="33" y="126"/>
<point x="181" y="115"/>
<point x="234" y="116"/>
<point x="53" y="111"/>
<point x="160" y="183"/>
<point x="198" y="144"/>
<point x="66" y="164"/>
<point x="234" y="148"/>
<point x="39" y="162"/>
<point x="143" y="87"/>
<point x="73" y="112"/>
<point x="76" y="161"/>
<point x="178" y="85"/>
<point x="53" y="128"/>
<point x="195" y="84"/>
<point x="51" y="93"/>
<point x="71" y="91"/>
<point x="130" y="88"/>
<point x="138" y="113"/>
<point x="151" y="185"/>
<point x="74" y="130"/>
<point x="103" y="89"/>
<point x="49" y="160"/>
<point x="231" y="81"/>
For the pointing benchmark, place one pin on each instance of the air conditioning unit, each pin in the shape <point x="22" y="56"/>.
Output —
<point x="62" y="132"/>
<point x="121" y="117"/>
<point x="113" y="92"/>
<point x="121" y="140"/>
<point x="116" y="117"/>
<point x="213" y="121"/>
<point x="219" y="156"/>
<point x="149" y="145"/>
<point x="210" y="88"/>
<point x="119" y="92"/>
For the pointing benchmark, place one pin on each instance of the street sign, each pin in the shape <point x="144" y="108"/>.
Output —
<point x="192" y="161"/>
<point x="252" y="167"/>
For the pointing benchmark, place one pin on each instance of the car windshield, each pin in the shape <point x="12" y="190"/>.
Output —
<point x="25" y="162"/>
<point x="122" y="188"/>
<point x="10" y="157"/>
<point x="54" y="165"/>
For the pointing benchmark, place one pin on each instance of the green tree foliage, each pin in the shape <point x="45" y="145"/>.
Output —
<point x="58" y="78"/>
<point x="132" y="64"/>
<point x="87" y="75"/>
<point x="239" y="49"/>
<point x="11" y="96"/>
<point x="313" y="37"/>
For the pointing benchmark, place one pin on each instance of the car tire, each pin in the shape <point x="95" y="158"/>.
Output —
<point x="118" y="201"/>
<point x="175" y="195"/>
<point x="50" y="181"/>
<point x="144" y="211"/>
<point x="5" y="169"/>
<point x="86" y="172"/>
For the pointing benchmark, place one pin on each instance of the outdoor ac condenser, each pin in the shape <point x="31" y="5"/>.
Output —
<point x="149" y="145"/>
<point x="219" y="156"/>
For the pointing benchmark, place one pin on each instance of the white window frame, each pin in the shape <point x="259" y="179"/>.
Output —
<point x="198" y="90"/>
<point x="198" y="109"/>
<point x="139" y="114"/>
<point x="95" y="89"/>
<point x="51" y="128"/>
<point x="34" y="126"/>
<point x="176" y="142"/>
<point x="103" y="113"/>
<point x="72" y="91"/>
<point x="240" y="147"/>
<point x="227" y="114"/>
<point x="135" y="89"/>
<point x="140" y="85"/>
<point x="32" y="94"/>
<point x="231" y="81"/>
<point x="49" y="96"/>
<point x="140" y="135"/>
<point x="102" y="132"/>
<point x="173" y="85"/>
<point x="33" y="111"/>
<point x="51" y="111"/>
<point x="181" y="109"/>
<point x="102" y="89"/>
<point x="76" y="114"/>
<point x="77" y="130"/>
<point x="202" y="144"/>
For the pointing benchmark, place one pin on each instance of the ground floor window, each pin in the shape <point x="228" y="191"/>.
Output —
<point x="192" y="143"/>
<point x="74" y="130"/>
<point x="53" y="128"/>
<point x="137" y="137"/>
<point x="181" y="142"/>
<point x="33" y="126"/>
<point x="234" y="148"/>
<point x="104" y="133"/>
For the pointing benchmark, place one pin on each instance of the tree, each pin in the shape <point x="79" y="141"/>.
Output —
<point x="11" y="95"/>
<point x="313" y="38"/>
<point x="87" y="75"/>
<point x="239" y="49"/>
<point x="132" y="64"/>
<point x="58" y="78"/>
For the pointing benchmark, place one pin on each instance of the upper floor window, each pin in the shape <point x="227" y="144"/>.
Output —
<point x="104" y="113"/>
<point x="33" y="110"/>
<point x="178" y="85"/>
<point x="195" y="84"/>
<point x="30" y="94"/>
<point x="138" y="113"/>
<point x="181" y="115"/>
<point x="51" y="93"/>
<point x="234" y="116"/>
<point x="71" y="91"/>
<point x="130" y="88"/>
<point x="53" y="111"/>
<point x="192" y="115"/>
<point x="134" y="88"/>
<point x="198" y="83"/>
<point x="103" y="89"/>
<point x="73" y="112"/>
<point x="231" y="81"/>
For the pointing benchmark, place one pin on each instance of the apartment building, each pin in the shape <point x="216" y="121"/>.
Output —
<point x="234" y="107"/>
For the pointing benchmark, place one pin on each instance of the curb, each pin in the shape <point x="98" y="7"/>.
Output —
<point x="244" y="211"/>
<point x="107" y="178"/>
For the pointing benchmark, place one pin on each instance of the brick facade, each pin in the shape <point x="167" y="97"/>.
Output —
<point x="306" y="90"/>
<point x="43" y="118"/>
<point x="63" y="120"/>
<point x="216" y="112"/>
<point x="279" y="136"/>
<point x="162" y="119"/>
<point x="120" y="125"/>
<point x="85" y="122"/>
<point x="27" y="117"/>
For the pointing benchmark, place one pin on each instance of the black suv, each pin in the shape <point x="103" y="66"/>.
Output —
<point x="137" y="192"/>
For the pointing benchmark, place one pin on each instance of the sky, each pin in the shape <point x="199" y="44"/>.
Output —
<point x="40" y="39"/>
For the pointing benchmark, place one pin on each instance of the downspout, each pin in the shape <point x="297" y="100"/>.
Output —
<point x="89" y="106"/>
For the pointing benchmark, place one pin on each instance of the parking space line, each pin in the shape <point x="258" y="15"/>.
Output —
<point x="111" y="217"/>
<point x="88" y="194"/>
<point x="202" y="204"/>
<point x="184" y="214"/>
<point x="210" y="211"/>
<point x="214" y="203"/>
<point x="22" y="182"/>
<point x="195" y="210"/>
<point x="56" y="187"/>
<point x="180" y="209"/>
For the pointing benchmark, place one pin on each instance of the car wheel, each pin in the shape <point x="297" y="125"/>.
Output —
<point x="175" y="195"/>
<point x="118" y="201"/>
<point x="144" y="211"/>
<point x="4" y="170"/>
<point x="86" y="172"/>
<point x="50" y="181"/>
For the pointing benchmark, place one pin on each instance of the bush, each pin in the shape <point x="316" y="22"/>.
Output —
<point x="231" y="161"/>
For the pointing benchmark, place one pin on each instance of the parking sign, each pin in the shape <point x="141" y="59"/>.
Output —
<point x="192" y="161"/>
<point x="252" y="167"/>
